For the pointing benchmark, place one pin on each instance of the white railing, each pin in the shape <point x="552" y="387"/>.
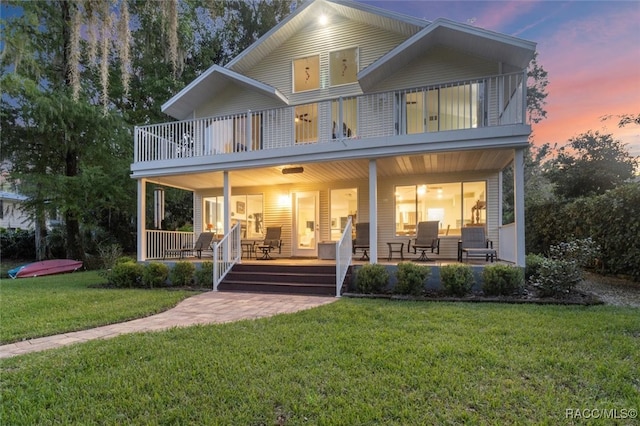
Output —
<point x="158" y="242"/>
<point x="467" y="104"/>
<point x="226" y="253"/>
<point x="343" y="256"/>
<point x="507" y="242"/>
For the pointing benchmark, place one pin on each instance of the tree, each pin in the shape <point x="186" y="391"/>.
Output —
<point x="536" y="90"/>
<point x="534" y="184"/>
<point x="590" y="164"/>
<point x="73" y="87"/>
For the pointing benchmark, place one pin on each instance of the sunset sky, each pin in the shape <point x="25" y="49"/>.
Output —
<point x="591" y="50"/>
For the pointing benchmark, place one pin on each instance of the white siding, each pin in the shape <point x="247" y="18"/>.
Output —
<point x="235" y="99"/>
<point x="440" y="64"/>
<point x="276" y="69"/>
<point x="276" y="214"/>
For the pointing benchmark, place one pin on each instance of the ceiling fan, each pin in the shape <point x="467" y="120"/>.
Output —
<point x="302" y="117"/>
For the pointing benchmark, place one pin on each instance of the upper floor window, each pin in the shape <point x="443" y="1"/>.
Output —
<point x="306" y="73"/>
<point x="343" y="66"/>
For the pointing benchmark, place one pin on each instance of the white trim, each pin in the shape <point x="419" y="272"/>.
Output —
<point x="373" y="211"/>
<point x="193" y="90"/>
<point x="142" y="234"/>
<point x="518" y="195"/>
<point x="429" y="37"/>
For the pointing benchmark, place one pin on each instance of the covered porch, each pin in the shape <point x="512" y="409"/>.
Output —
<point x="302" y="204"/>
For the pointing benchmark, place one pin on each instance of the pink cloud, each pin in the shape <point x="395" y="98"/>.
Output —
<point x="593" y="71"/>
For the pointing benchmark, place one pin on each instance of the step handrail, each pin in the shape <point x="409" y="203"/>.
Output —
<point x="226" y="253"/>
<point x="344" y="248"/>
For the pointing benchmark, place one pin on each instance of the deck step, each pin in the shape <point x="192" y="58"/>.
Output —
<point x="290" y="279"/>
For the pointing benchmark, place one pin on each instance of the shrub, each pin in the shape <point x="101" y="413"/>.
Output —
<point x="126" y="274"/>
<point x="583" y="251"/>
<point x="182" y="274"/>
<point x="18" y="244"/>
<point x="155" y="274"/>
<point x="502" y="280"/>
<point x="411" y="278"/>
<point x="457" y="279"/>
<point x="372" y="278"/>
<point x="109" y="254"/>
<point x="557" y="277"/>
<point x="124" y="259"/>
<point x="532" y="265"/>
<point x="204" y="275"/>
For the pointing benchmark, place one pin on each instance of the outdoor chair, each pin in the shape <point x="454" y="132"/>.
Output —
<point x="272" y="241"/>
<point x="474" y="243"/>
<point x="203" y="243"/>
<point x="426" y="238"/>
<point x="362" y="240"/>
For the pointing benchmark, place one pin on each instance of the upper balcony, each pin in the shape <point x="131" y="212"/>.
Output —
<point x="467" y="106"/>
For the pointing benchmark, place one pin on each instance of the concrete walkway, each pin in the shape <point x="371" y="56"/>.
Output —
<point x="205" y="308"/>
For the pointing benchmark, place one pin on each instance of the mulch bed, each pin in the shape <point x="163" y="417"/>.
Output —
<point x="529" y="296"/>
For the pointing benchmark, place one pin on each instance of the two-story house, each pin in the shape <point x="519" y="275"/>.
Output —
<point x="346" y="113"/>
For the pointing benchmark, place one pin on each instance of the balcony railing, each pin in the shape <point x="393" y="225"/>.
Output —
<point x="485" y="102"/>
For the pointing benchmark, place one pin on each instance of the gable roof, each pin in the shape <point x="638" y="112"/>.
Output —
<point x="307" y="15"/>
<point x="207" y="85"/>
<point x="421" y="35"/>
<point x="476" y="41"/>
<point x="181" y="105"/>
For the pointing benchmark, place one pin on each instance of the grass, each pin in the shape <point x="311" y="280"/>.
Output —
<point x="353" y="362"/>
<point x="36" y="307"/>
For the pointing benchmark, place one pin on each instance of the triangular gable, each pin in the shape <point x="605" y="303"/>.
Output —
<point x="207" y="85"/>
<point x="202" y="88"/>
<point x="308" y="13"/>
<point x="479" y="42"/>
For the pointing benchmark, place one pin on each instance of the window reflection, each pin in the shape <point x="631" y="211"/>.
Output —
<point x="454" y="205"/>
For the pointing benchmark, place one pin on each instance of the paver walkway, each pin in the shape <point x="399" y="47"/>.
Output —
<point x="205" y="308"/>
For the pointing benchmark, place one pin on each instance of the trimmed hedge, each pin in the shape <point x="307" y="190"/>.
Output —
<point x="612" y="220"/>
<point x="503" y="280"/>
<point x="457" y="279"/>
<point x="182" y="274"/>
<point x="411" y="278"/>
<point x="372" y="278"/>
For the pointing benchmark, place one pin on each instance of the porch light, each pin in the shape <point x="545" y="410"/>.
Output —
<point x="323" y="20"/>
<point x="284" y="200"/>
<point x="290" y="170"/>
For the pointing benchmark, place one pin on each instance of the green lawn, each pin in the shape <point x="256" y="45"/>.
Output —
<point x="352" y="362"/>
<point x="35" y="307"/>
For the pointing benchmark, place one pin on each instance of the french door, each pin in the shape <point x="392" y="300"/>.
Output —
<point x="306" y="206"/>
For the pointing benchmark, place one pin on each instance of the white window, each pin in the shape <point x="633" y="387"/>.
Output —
<point x="306" y="73"/>
<point x="343" y="66"/>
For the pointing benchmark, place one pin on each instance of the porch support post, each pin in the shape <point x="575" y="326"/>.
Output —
<point x="518" y="195"/>
<point x="249" y="139"/>
<point x="227" y="210"/>
<point x="142" y="219"/>
<point x="500" y="200"/>
<point x="373" y="211"/>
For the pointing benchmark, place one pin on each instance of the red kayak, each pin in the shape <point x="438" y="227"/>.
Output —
<point x="46" y="267"/>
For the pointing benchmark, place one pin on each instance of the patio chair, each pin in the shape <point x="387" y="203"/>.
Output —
<point x="474" y="243"/>
<point x="426" y="238"/>
<point x="362" y="240"/>
<point x="272" y="241"/>
<point x="203" y="243"/>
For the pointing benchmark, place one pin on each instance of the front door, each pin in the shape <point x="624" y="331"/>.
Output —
<point x="305" y="223"/>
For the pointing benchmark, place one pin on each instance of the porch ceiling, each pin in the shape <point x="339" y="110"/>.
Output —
<point x="436" y="163"/>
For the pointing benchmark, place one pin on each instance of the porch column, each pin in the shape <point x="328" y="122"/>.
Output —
<point x="227" y="202"/>
<point x="227" y="214"/>
<point x="141" y="231"/>
<point x="373" y="211"/>
<point x="518" y="196"/>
